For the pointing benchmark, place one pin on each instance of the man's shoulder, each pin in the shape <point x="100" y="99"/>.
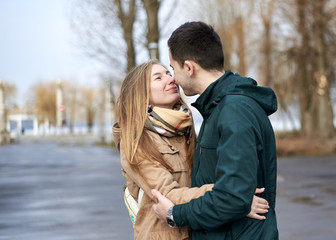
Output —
<point x="234" y="101"/>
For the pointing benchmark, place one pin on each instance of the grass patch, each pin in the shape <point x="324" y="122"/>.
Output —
<point x="291" y="144"/>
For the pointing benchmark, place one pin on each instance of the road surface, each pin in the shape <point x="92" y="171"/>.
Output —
<point x="68" y="189"/>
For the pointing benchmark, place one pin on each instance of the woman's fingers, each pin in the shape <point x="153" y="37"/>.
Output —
<point x="256" y="216"/>
<point x="259" y="206"/>
<point x="259" y="190"/>
<point x="260" y="201"/>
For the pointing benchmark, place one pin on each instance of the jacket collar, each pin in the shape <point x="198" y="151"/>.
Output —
<point x="213" y="94"/>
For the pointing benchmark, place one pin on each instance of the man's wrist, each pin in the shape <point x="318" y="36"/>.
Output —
<point x="170" y="218"/>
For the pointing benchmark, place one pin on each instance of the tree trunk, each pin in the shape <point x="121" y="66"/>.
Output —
<point x="325" y="126"/>
<point x="241" y="46"/>
<point x="153" y="34"/>
<point x="89" y="119"/>
<point x="127" y="19"/>
<point x="266" y="48"/>
<point x="305" y="95"/>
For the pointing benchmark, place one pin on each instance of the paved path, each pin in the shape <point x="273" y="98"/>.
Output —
<point x="73" y="191"/>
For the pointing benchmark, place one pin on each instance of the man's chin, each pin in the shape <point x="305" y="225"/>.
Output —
<point x="189" y="94"/>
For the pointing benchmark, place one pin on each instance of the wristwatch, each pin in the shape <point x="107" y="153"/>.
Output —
<point x="170" y="218"/>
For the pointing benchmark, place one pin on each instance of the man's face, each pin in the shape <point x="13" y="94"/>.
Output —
<point x="181" y="77"/>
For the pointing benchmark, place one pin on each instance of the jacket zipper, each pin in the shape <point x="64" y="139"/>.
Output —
<point x="201" y="135"/>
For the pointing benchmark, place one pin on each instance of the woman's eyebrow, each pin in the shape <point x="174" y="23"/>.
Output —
<point x="157" y="73"/>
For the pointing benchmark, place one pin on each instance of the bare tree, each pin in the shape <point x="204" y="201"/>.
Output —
<point x="114" y="31"/>
<point x="127" y="17"/>
<point x="153" y="34"/>
<point x="308" y="56"/>
<point x="296" y="52"/>
<point x="43" y="98"/>
<point x="99" y="32"/>
<point x="71" y="98"/>
<point x="230" y="18"/>
<point x="266" y="11"/>
<point x="325" y="125"/>
<point x="88" y="103"/>
<point x="10" y="91"/>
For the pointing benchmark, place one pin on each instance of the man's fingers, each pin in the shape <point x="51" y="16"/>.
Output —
<point x="156" y="194"/>
<point x="155" y="206"/>
<point x="155" y="210"/>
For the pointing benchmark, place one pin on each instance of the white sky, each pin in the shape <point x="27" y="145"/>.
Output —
<point x="37" y="44"/>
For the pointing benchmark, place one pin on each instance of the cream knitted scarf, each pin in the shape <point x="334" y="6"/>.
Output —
<point x="169" y="122"/>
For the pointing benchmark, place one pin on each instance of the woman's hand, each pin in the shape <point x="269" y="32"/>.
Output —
<point x="259" y="206"/>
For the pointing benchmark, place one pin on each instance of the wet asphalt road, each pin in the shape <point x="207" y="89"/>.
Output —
<point x="61" y="191"/>
<point x="65" y="190"/>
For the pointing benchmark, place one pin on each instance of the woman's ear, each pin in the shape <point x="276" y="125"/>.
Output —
<point x="189" y="66"/>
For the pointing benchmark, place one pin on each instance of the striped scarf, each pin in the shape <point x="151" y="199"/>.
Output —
<point x="169" y="122"/>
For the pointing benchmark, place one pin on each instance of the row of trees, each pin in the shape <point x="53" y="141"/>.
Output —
<point x="10" y="91"/>
<point x="85" y="105"/>
<point x="286" y="44"/>
<point x="292" y="43"/>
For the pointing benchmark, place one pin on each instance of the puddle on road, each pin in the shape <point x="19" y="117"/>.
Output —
<point x="331" y="191"/>
<point x="309" y="200"/>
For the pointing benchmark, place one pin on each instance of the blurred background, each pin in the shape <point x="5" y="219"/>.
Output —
<point x="62" y="63"/>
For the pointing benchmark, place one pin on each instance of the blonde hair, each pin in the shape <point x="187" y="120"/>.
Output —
<point x="131" y="113"/>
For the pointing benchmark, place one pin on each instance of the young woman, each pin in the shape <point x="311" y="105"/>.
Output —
<point x="155" y="136"/>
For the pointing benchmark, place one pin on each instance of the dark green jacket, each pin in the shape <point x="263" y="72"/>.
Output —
<point x="236" y="151"/>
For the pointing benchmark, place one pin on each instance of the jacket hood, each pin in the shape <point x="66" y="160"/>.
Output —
<point x="116" y="135"/>
<point x="234" y="84"/>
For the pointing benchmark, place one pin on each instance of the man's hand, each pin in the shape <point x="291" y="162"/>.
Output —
<point x="161" y="208"/>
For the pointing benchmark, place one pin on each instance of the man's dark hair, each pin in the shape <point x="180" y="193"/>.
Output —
<point x="197" y="41"/>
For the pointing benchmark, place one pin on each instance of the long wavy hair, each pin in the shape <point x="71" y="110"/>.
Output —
<point x="131" y="113"/>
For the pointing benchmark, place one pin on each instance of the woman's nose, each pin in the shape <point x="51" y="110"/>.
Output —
<point x="171" y="80"/>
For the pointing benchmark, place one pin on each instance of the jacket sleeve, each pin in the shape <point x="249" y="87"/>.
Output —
<point x="158" y="177"/>
<point x="236" y="174"/>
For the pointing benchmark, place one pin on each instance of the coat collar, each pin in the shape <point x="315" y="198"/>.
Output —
<point x="213" y="94"/>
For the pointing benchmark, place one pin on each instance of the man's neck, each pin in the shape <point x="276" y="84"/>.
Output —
<point x="205" y="78"/>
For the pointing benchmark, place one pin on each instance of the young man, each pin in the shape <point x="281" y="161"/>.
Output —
<point x="235" y="148"/>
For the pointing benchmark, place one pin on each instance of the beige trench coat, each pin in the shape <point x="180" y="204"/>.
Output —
<point x="175" y="185"/>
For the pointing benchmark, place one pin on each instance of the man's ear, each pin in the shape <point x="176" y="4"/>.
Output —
<point x="190" y="67"/>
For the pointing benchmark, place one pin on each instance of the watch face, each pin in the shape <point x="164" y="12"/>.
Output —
<point x="171" y="222"/>
<point x="170" y="218"/>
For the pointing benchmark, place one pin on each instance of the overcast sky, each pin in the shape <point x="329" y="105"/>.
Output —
<point x="37" y="44"/>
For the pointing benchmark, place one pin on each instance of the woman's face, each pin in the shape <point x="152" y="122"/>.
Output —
<point x="164" y="92"/>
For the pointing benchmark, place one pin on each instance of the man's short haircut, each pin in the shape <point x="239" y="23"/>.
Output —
<point x="197" y="41"/>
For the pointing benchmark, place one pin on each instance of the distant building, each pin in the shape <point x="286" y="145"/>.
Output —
<point x="20" y="123"/>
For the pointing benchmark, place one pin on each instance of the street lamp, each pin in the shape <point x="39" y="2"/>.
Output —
<point x="2" y="108"/>
<point x="60" y="107"/>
